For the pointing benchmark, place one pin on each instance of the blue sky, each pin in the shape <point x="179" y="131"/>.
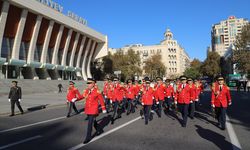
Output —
<point x="145" y="21"/>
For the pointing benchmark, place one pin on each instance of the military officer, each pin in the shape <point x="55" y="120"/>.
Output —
<point x="15" y="96"/>
<point x="169" y="94"/>
<point x="93" y="97"/>
<point x="147" y="100"/>
<point x="160" y="90"/>
<point x="221" y="99"/>
<point x="191" y="108"/>
<point x="72" y="96"/>
<point x="183" y="99"/>
<point x="130" y="95"/>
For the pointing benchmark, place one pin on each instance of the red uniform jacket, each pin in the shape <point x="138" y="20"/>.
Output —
<point x="110" y="91"/>
<point x="118" y="93"/>
<point x="131" y="92"/>
<point x="73" y="93"/>
<point x="93" y="98"/>
<point x="198" y="90"/>
<point x="137" y="88"/>
<point x="147" y="96"/>
<point x="192" y="92"/>
<point x="183" y="94"/>
<point x="105" y="89"/>
<point x="160" y="92"/>
<point x="169" y="91"/>
<point x="221" y="98"/>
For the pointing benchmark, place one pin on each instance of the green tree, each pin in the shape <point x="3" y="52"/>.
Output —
<point x="128" y="63"/>
<point x="241" y="54"/>
<point x="154" y="66"/>
<point x="194" y="71"/>
<point x="211" y="66"/>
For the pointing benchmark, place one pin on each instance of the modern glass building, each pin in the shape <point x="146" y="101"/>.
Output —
<point x="38" y="41"/>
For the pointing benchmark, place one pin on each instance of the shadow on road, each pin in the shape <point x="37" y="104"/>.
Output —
<point x="214" y="137"/>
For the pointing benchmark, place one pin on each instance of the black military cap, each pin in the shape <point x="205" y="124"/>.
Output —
<point x="14" y="81"/>
<point x="183" y="78"/>
<point x="71" y="82"/>
<point x="159" y="78"/>
<point x="167" y="80"/>
<point x="115" y="79"/>
<point x="90" y="81"/>
<point x="220" y="78"/>
<point x="129" y="81"/>
<point x="146" y="78"/>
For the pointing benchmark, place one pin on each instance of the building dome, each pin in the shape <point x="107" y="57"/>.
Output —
<point x="168" y="34"/>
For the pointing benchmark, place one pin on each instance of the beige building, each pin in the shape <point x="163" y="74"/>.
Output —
<point x="173" y="55"/>
<point x="38" y="41"/>
<point x="224" y="34"/>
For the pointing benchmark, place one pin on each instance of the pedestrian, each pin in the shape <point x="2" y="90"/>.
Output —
<point x="93" y="98"/>
<point x="147" y="101"/>
<point x="248" y="85"/>
<point x="220" y="100"/>
<point x="191" y="108"/>
<point x="15" y="97"/>
<point x="60" y="87"/>
<point x="244" y="83"/>
<point x="72" y="96"/>
<point x="183" y="99"/>
<point x="117" y="99"/>
<point x="160" y="90"/>
<point x="130" y="95"/>
<point x="169" y="94"/>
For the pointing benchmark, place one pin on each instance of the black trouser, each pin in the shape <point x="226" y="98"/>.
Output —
<point x="107" y="103"/>
<point x="60" y="90"/>
<point x="248" y="89"/>
<point x="117" y="109"/>
<point x="183" y="108"/>
<point x="146" y="111"/>
<point x="221" y="115"/>
<point x="160" y="107"/>
<point x="130" y="107"/>
<point x="168" y="102"/>
<point x="13" y="102"/>
<point x="91" y="120"/>
<point x="191" y="109"/>
<point x="72" y="104"/>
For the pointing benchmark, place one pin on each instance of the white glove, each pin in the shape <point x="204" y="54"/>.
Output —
<point x="191" y="101"/>
<point x="157" y="103"/>
<point x="111" y="102"/>
<point x="105" y="96"/>
<point x="213" y="106"/>
<point x="104" y="111"/>
<point x="19" y="100"/>
<point x="9" y="100"/>
<point x="230" y="103"/>
<point x="153" y="97"/>
<point x="168" y="96"/>
<point x="175" y="102"/>
<point x="74" y="99"/>
<point x="196" y="100"/>
<point x="142" y="104"/>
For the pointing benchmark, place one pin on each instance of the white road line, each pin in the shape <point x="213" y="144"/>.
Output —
<point x="33" y="124"/>
<point x="22" y="141"/>
<point x="234" y="140"/>
<point x="104" y="134"/>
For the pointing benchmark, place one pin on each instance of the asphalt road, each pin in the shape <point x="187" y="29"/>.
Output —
<point x="50" y="129"/>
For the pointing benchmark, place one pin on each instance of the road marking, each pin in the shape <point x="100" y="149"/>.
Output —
<point x="234" y="140"/>
<point x="19" y="142"/>
<point x="104" y="134"/>
<point x="29" y="125"/>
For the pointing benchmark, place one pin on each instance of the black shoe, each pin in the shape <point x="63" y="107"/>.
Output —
<point x="184" y="125"/>
<point x="86" y="141"/>
<point x="146" y="122"/>
<point x="11" y="115"/>
<point x="112" y="120"/>
<point x="22" y="113"/>
<point x="99" y="132"/>
<point x="192" y="118"/>
<point x="68" y="116"/>
<point x="223" y="128"/>
<point x="87" y="118"/>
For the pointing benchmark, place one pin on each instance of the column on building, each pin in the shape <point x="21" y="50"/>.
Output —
<point x="84" y="73"/>
<point x="88" y="67"/>
<point x="79" y="56"/>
